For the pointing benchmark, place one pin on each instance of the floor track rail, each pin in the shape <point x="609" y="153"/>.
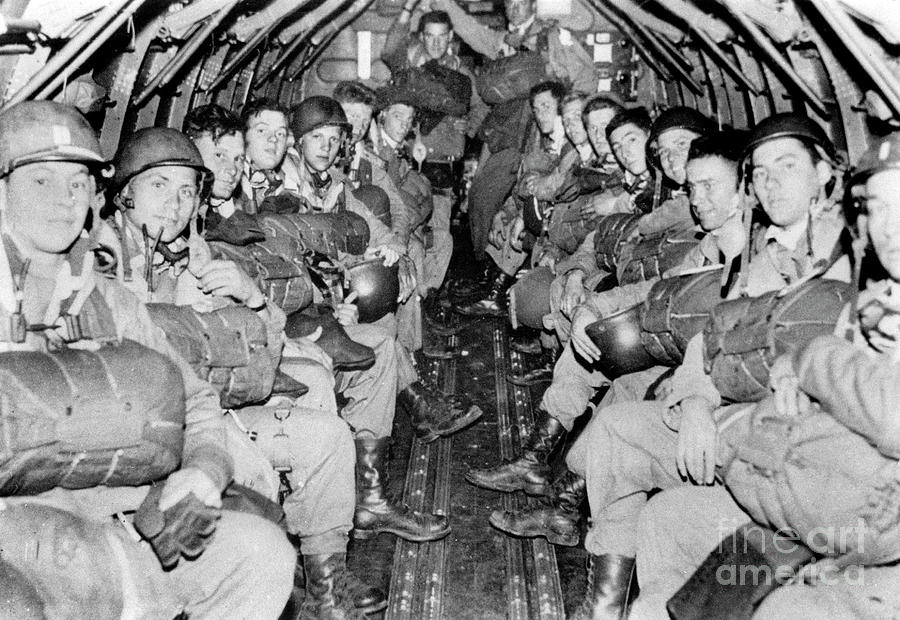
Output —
<point x="534" y="590"/>
<point x="418" y="571"/>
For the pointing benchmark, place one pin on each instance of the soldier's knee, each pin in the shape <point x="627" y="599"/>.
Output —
<point x="261" y="554"/>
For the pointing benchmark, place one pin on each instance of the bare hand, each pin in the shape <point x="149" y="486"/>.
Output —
<point x="517" y="233"/>
<point x="389" y="253"/>
<point x="225" y="278"/>
<point x="408" y="280"/>
<point x="497" y="235"/>
<point x="573" y="293"/>
<point x="189" y="480"/>
<point x="581" y="343"/>
<point x="346" y="312"/>
<point x="696" y="453"/>
<point x="789" y="399"/>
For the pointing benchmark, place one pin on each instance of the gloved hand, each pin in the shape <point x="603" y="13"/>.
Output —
<point x="185" y="529"/>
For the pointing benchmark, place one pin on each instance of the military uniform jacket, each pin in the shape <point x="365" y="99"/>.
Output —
<point x="204" y="445"/>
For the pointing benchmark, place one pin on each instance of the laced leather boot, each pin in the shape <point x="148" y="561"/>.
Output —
<point x="494" y="304"/>
<point x="610" y="588"/>
<point x="436" y="415"/>
<point x="554" y="518"/>
<point x="327" y="594"/>
<point x="346" y="354"/>
<point x="531" y="471"/>
<point x="376" y="510"/>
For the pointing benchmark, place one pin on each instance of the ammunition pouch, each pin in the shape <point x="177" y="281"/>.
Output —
<point x="613" y="231"/>
<point x="653" y="255"/>
<point x="676" y="310"/>
<point x="283" y="278"/>
<point x="744" y="336"/>
<point x="79" y="419"/>
<point x="226" y="347"/>
<point x="618" y="336"/>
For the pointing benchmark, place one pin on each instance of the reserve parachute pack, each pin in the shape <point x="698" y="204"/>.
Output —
<point x="655" y="254"/>
<point x="327" y="233"/>
<point x="225" y="347"/>
<point x="613" y="231"/>
<point x="812" y="475"/>
<point x="743" y="337"/>
<point x="79" y="419"/>
<point x="676" y="310"/>
<point x="511" y="77"/>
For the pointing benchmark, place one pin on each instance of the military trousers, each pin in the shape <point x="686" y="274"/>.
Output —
<point x="627" y="388"/>
<point x="630" y="453"/>
<point x="507" y="258"/>
<point x="677" y="530"/>
<point x="314" y="451"/>
<point x="371" y="394"/>
<point x="437" y="257"/>
<point x="246" y="571"/>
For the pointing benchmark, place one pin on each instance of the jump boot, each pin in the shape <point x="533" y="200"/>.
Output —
<point x="531" y="471"/>
<point x="610" y="588"/>
<point x="554" y="518"/>
<point x="328" y="595"/>
<point x="494" y="304"/>
<point x="436" y="415"/>
<point x="376" y="510"/>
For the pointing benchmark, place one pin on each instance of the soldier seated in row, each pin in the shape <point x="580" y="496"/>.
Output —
<point x="234" y="563"/>
<point x="540" y="155"/>
<point x="158" y="186"/>
<point x="635" y="447"/>
<point x="576" y="375"/>
<point x="832" y="414"/>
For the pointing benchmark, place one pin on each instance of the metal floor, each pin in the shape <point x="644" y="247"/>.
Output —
<point x="476" y="572"/>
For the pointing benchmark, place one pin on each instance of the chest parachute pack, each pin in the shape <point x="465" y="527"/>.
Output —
<point x="744" y="336"/>
<point x="226" y="347"/>
<point x="613" y="231"/>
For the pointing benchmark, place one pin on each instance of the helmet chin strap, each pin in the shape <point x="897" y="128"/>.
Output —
<point x="154" y="244"/>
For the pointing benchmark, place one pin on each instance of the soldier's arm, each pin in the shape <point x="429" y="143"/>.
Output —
<point x="859" y="390"/>
<point x="582" y="259"/>
<point x="673" y="213"/>
<point x="204" y="440"/>
<point x="690" y="378"/>
<point x="569" y="60"/>
<point x="379" y="234"/>
<point x="393" y="54"/>
<point x="479" y="37"/>
<point x="619" y="298"/>
<point x="401" y="221"/>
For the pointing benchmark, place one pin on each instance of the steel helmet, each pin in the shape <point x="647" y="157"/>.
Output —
<point x="36" y="131"/>
<point x="317" y="111"/>
<point x="789" y="125"/>
<point x="883" y="154"/>
<point x="377" y="288"/>
<point x="618" y="336"/>
<point x="679" y="117"/>
<point x="158" y="146"/>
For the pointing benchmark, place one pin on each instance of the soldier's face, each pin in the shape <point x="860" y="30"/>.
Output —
<point x="267" y="137"/>
<point x="883" y="206"/>
<point x="320" y="146"/>
<point x="518" y="11"/>
<point x="225" y="157"/>
<point x="436" y="39"/>
<point x="596" y="129"/>
<point x="785" y="179"/>
<point x="359" y="115"/>
<point x="571" y="118"/>
<point x="712" y="184"/>
<point x="628" y="144"/>
<point x="546" y="110"/>
<point x="672" y="147"/>
<point x="397" y="121"/>
<point x="163" y="198"/>
<point x="45" y="204"/>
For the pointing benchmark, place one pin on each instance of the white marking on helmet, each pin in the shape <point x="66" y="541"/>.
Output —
<point x="61" y="135"/>
<point x="885" y="151"/>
